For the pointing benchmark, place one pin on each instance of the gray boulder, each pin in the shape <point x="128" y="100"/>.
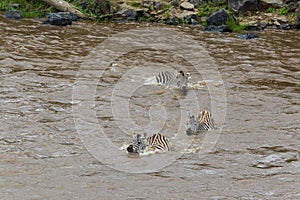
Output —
<point x="187" y="6"/>
<point x="291" y="6"/>
<point x="128" y="14"/>
<point x="264" y="4"/>
<point x="243" y="5"/>
<point x="218" y="18"/>
<point x="196" y="2"/>
<point x="297" y="24"/>
<point x="60" y="18"/>
<point x="15" y="14"/>
<point x="174" y="3"/>
<point x="191" y="19"/>
<point x="173" y="21"/>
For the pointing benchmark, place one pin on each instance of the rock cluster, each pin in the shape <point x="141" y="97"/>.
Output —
<point x="60" y="18"/>
<point x="243" y="5"/>
<point x="193" y="12"/>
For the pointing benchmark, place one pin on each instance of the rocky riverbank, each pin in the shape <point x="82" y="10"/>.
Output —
<point x="212" y="15"/>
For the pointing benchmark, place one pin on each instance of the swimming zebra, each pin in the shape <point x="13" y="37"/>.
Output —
<point x="142" y="144"/>
<point x="202" y="123"/>
<point x="180" y="79"/>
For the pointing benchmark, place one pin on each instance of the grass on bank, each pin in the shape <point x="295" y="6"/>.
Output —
<point x="37" y="8"/>
<point x="206" y="10"/>
<point x="29" y="8"/>
<point x="235" y="26"/>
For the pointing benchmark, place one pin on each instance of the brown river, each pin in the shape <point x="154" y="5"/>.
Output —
<point x="71" y="97"/>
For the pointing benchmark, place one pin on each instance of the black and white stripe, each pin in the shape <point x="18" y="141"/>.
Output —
<point x="179" y="80"/>
<point x="165" y="78"/>
<point x="141" y="144"/>
<point x="206" y="121"/>
<point x="158" y="142"/>
<point x="200" y="124"/>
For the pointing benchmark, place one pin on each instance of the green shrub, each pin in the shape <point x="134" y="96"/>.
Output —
<point x="209" y="8"/>
<point x="270" y="10"/>
<point x="4" y="5"/>
<point x="134" y="4"/>
<point x="29" y="8"/>
<point x="234" y="26"/>
<point x="283" y="11"/>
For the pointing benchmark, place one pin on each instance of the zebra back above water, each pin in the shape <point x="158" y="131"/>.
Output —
<point x="141" y="144"/>
<point x="200" y="124"/>
<point x="158" y="142"/>
<point x="179" y="80"/>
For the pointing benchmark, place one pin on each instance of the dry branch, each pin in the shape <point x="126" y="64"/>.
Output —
<point x="65" y="7"/>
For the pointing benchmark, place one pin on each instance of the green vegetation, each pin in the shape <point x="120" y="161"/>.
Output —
<point x="94" y="8"/>
<point x="208" y="9"/>
<point x="166" y="7"/>
<point x="29" y="8"/>
<point x="270" y="10"/>
<point x="204" y="10"/>
<point x="166" y="15"/>
<point x="4" y="5"/>
<point x="283" y="11"/>
<point x="234" y="26"/>
<point x="104" y="10"/>
<point x="134" y="4"/>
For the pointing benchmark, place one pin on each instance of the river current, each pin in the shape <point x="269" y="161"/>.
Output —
<point x="46" y="154"/>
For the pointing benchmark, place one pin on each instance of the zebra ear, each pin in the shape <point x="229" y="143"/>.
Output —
<point x="145" y="135"/>
<point x="188" y="75"/>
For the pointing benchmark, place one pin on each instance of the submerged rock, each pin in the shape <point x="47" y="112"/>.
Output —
<point x="218" y="18"/>
<point x="221" y="29"/>
<point x="60" y="18"/>
<point x="254" y="28"/>
<point x="247" y="36"/>
<point x="15" y="14"/>
<point x="276" y="160"/>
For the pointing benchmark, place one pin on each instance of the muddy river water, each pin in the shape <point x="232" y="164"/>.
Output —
<point x="64" y="119"/>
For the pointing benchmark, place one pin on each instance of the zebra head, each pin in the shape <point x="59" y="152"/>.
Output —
<point x="200" y="124"/>
<point x="139" y="143"/>
<point x="182" y="81"/>
<point x="192" y="125"/>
